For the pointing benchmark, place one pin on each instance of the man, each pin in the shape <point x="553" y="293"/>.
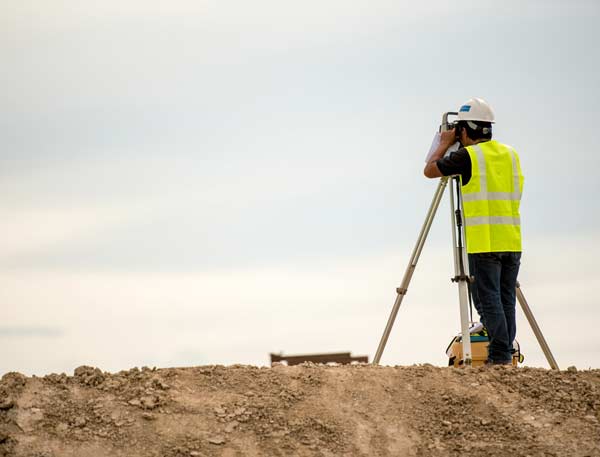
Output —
<point x="491" y="183"/>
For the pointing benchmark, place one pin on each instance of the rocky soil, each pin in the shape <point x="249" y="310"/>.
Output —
<point x="306" y="410"/>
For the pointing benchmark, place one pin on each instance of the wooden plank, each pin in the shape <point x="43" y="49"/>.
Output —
<point x="335" y="357"/>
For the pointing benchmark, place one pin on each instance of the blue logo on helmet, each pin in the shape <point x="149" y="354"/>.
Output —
<point x="465" y="108"/>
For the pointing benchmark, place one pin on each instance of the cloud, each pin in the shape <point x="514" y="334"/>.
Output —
<point x="21" y="332"/>
<point x="34" y="230"/>
<point x="173" y="172"/>
<point x="120" y="319"/>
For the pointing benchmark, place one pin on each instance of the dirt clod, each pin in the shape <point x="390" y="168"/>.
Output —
<point x="89" y="376"/>
<point x="216" y="440"/>
<point x="6" y="404"/>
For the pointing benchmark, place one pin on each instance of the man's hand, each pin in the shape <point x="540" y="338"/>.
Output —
<point x="447" y="139"/>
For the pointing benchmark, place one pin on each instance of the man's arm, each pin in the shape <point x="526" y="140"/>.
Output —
<point x="447" y="139"/>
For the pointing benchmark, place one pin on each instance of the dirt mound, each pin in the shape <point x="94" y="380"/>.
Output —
<point x="311" y="410"/>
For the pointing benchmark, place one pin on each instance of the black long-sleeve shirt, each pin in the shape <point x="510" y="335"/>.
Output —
<point x="456" y="163"/>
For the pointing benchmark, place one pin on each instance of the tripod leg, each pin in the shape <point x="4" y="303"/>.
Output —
<point x="463" y="296"/>
<point x="401" y="291"/>
<point x="461" y="268"/>
<point x="536" y="329"/>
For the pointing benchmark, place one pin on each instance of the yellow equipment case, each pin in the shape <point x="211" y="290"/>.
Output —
<point x="479" y="345"/>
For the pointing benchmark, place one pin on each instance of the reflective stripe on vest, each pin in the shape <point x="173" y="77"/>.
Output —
<point x="488" y="220"/>
<point x="491" y="199"/>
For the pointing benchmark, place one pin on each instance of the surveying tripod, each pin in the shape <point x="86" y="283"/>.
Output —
<point x="461" y="268"/>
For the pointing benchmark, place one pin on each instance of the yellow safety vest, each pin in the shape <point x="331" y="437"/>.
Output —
<point x="492" y="197"/>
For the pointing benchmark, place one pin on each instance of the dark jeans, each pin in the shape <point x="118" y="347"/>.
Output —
<point x="493" y="294"/>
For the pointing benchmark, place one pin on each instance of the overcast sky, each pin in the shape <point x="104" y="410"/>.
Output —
<point x="200" y="182"/>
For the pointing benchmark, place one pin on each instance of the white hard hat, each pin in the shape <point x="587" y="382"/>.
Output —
<point x="476" y="109"/>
